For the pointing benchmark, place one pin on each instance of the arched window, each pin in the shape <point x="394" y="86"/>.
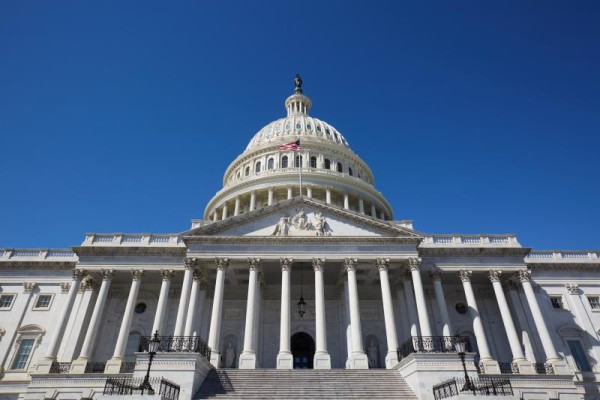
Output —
<point x="327" y="163"/>
<point x="298" y="162"/>
<point x="339" y="167"/>
<point x="270" y="163"/>
<point x="284" y="162"/>
<point x="247" y="171"/>
<point x="349" y="171"/>
<point x="313" y="162"/>
<point x="257" y="167"/>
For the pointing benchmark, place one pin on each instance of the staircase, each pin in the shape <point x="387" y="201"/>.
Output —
<point x="304" y="384"/>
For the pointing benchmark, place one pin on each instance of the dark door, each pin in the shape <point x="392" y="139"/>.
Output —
<point x="303" y="350"/>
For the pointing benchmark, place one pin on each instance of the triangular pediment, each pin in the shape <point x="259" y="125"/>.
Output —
<point x="302" y="217"/>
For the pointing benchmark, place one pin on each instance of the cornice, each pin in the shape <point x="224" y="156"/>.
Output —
<point x="288" y="240"/>
<point x="37" y="265"/>
<point x="473" y="251"/>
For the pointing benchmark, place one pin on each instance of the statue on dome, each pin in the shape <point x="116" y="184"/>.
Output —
<point x="283" y="226"/>
<point x="298" y="84"/>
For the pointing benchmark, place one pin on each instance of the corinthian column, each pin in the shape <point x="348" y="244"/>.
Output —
<point x="284" y="358"/>
<point x="391" y="358"/>
<point x="190" y="265"/>
<point x="538" y="318"/>
<point x="359" y="359"/>
<point x="248" y="356"/>
<point x="163" y="297"/>
<point x="78" y="366"/>
<point x="484" y="351"/>
<point x="441" y="302"/>
<point x="415" y="269"/>
<point x="217" y="309"/>
<point x="322" y="359"/>
<point x="113" y="366"/>
<point x="190" y="320"/>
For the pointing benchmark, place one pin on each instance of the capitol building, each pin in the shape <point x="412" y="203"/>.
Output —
<point x="299" y="282"/>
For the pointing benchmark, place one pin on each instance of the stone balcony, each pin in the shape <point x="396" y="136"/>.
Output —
<point x="132" y="240"/>
<point x="470" y="241"/>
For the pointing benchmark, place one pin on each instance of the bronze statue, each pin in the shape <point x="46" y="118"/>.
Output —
<point x="298" y="84"/>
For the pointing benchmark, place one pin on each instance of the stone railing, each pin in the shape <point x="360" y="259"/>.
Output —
<point x="38" y="255"/>
<point x="431" y="344"/>
<point x="470" y="240"/>
<point x="564" y="256"/>
<point x="126" y="239"/>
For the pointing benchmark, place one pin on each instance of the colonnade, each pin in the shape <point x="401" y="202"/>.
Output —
<point x="410" y="291"/>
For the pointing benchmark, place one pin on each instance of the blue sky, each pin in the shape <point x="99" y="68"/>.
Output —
<point x="475" y="117"/>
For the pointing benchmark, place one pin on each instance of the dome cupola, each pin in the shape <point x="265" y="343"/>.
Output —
<point x="331" y="171"/>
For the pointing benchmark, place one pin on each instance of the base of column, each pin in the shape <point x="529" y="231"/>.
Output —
<point x="113" y="366"/>
<point x="490" y="366"/>
<point x="285" y="360"/>
<point x="322" y="361"/>
<point x="359" y="361"/>
<point x="247" y="360"/>
<point x="215" y="358"/>
<point x="391" y="359"/>
<point x="525" y="367"/>
<point x="44" y="366"/>
<point x="79" y="366"/>
<point x="560" y="367"/>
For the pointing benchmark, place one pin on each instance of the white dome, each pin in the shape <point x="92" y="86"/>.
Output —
<point x="296" y="127"/>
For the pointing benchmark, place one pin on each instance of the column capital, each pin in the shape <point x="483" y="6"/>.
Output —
<point x="414" y="263"/>
<point x="572" y="288"/>
<point x="137" y="274"/>
<point x="108" y="274"/>
<point x="318" y="264"/>
<point x="494" y="275"/>
<point x="382" y="263"/>
<point x="166" y="274"/>
<point x="78" y="274"/>
<point x="436" y="275"/>
<point x="350" y="264"/>
<point x="525" y="275"/>
<point x="86" y="284"/>
<point x="28" y="287"/>
<point x="191" y="262"/>
<point x="465" y="275"/>
<point x="286" y="263"/>
<point x="222" y="263"/>
<point x="198" y="275"/>
<point x="65" y="286"/>
<point x="254" y="263"/>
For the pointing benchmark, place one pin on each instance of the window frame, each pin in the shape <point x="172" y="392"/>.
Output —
<point x="36" y="307"/>
<point x="597" y="301"/>
<point x="339" y="168"/>
<point x="327" y="163"/>
<point x="270" y="163"/>
<point x="285" y="162"/>
<point x="559" y="298"/>
<point x="27" y="332"/>
<point x="14" y="297"/>
<point x="313" y="162"/>
<point x="257" y="167"/>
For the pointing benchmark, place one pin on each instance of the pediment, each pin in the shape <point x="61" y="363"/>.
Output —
<point x="302" y="217"/>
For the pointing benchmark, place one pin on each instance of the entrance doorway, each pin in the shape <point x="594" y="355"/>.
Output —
<point x="303" y="350"/>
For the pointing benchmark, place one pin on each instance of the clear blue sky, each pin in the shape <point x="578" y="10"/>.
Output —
<point x="475" y="117"/>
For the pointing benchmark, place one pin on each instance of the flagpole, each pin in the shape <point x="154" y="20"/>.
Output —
<point x="300" y="169"/>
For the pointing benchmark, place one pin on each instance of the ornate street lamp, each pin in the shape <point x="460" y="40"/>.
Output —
<point x="153" y="345"/>
<point x="460" y="345"/>
<point x="301" y="302"/>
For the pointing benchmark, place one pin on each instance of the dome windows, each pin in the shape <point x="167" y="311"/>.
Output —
<point x="308" y="127"/>
<point x="327" y="163"/>
<point x="247" y="172"/>
<point x="350" y="171"/>
<point x="298" y="162"/>
<point x="257" y="167"/>
<point x="313" y="162"/>
<point x="340" y="168"/>
<point x="298" y="126"/>
<point x="270" y="163"/>
<point x="284" y="162"/>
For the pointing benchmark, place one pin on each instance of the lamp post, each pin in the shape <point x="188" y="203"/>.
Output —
<point x="301" y="303"/>
<point x="153" y="345"/>
<point x="461" y="345"/>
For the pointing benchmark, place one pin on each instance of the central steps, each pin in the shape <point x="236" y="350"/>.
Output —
<point x="304" y="384"/>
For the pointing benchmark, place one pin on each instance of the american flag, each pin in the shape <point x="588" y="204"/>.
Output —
<point x="293" y="146"/>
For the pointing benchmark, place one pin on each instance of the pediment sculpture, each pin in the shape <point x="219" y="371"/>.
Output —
<point x="301" y="225"/>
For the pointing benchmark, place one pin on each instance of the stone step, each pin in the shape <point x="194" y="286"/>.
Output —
<point x="304" y="384"/>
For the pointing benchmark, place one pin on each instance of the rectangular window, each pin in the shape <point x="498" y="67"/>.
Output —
<point x="556" y="302"/>
<point x="6" y="301"/>
<point x="23" y="353"/>
<point x="43" y="301"/>
<point x="594" y="302"/>
<point x="579" y="355"/>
